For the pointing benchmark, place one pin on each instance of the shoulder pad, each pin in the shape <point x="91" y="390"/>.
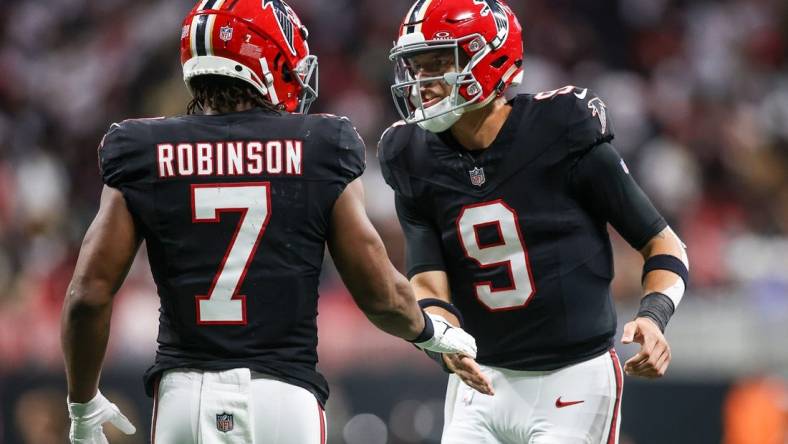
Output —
<point x="581" y="114"/>
<point x="391" y="153"/>
<point x="339" y="132"/>
<point x="396" y="124"/>
<point x="142" y="120"/>
<point x="393" y="140"/>
<point x="113" y="150"/>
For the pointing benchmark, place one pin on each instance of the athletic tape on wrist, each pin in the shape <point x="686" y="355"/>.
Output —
<point x="658" y="307"/>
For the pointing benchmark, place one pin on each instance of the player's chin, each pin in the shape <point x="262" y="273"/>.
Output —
<point x="432" y="102"/>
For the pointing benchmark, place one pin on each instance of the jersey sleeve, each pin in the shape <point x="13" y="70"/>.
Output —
<point x="112" y="153"/>
<point x="602" y="181"/>
<point x="588" y="122"/>
<point x="422" y="240"/>
<point x="123" y="154"/>
<point x="390" y="148"/>
<point x="352" y="151"/>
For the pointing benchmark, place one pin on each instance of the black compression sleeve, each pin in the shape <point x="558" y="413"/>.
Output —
<point x="423" y="246"/>
<point x="601" y="180"/>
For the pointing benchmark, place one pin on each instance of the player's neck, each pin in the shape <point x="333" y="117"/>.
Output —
<point x="239" y="107"/>
<point x="477" y="129"/>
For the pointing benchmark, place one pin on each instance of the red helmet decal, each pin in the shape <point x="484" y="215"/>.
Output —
<point x="496" y="9"/>
<point x="284" y="17"/>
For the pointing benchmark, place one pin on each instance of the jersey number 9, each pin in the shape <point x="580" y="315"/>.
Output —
<point x="509" y="252"/>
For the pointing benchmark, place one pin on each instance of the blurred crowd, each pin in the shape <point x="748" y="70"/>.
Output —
<point x="698" y="93"/>
<point x="697" y="90"/>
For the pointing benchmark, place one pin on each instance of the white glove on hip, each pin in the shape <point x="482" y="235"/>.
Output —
<point x="87" y="418"/>
<point x="448" y="338"/>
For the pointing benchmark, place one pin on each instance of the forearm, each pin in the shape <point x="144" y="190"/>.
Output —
<point x="398" y="315"/>
<point x="664" y="243"/>
<point x="84" y="333"/>
<point x="106" y="255"/>
<point x="664" y="277"/>
<point x="380" y="291"/>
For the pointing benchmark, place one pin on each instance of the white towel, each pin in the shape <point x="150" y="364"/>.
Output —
<point x="224" y="408"/>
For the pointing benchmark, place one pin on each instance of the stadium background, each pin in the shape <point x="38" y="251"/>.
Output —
<point x="698" y="92"/>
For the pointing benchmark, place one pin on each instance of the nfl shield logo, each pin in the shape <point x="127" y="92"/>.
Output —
<point x="477" y="176"/>
<point x="224" y="422"/>
<point x="226" y="33"/>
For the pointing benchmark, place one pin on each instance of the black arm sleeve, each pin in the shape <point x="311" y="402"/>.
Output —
<point x="423" y="246"/>
<point x="602" y="181"/>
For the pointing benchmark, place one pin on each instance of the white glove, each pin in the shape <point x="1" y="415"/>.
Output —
<point x="448" y="338"/>
<point x="87" y="418"/>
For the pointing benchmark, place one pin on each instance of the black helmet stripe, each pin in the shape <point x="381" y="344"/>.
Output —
<point x="204" y="25"/>
<point x="413" y="14"/>
<point x="208" y="5"/>
<point x="202" y="22"/>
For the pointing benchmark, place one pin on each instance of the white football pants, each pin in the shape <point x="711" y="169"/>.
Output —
<point x="234" y="406"/>
<point x="577" y="404"/>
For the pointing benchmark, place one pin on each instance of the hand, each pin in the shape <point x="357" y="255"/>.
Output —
<point x="470" y="373"/>
<point x="87" y="418"/>
<point x="654" y="356"/>
<point x="448" y="338"/>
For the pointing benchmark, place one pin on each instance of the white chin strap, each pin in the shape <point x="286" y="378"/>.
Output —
<point x="444" y="119"/>
<point x="444" y="116"/>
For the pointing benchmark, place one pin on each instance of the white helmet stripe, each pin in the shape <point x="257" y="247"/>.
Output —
<point x="410" y="16"/>
<point x="420" y="14"/>
<point x="209" y="34"/>
<point x="204" y="45"/>
<point x="193" y="36"/>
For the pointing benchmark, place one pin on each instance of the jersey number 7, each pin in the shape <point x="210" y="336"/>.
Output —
<point x="223" y="305"/>
<point x="509" y="252"/>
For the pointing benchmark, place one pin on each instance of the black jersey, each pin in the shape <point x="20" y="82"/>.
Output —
<point x="235" y="211"/>
<point x="520" y="228"/>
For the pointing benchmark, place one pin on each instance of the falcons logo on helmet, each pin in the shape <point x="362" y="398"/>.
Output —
<point x="499" y="15"/>
<point x="282" y="12"/>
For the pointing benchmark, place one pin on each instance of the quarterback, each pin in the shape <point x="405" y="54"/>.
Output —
<point x="505" y="205"/>
<point x="236" y="202"/>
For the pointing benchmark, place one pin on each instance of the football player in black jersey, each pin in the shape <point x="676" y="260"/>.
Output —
<point x="505" y="205"/>
<point x="236" y="202"/>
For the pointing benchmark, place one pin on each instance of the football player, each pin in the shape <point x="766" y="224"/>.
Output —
<point x="235" y="202"/>
<point x="504" y="205"/>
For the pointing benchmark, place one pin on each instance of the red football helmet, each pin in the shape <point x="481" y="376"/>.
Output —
<point x="489" y="36"/>
<point x="261" y="42"/>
